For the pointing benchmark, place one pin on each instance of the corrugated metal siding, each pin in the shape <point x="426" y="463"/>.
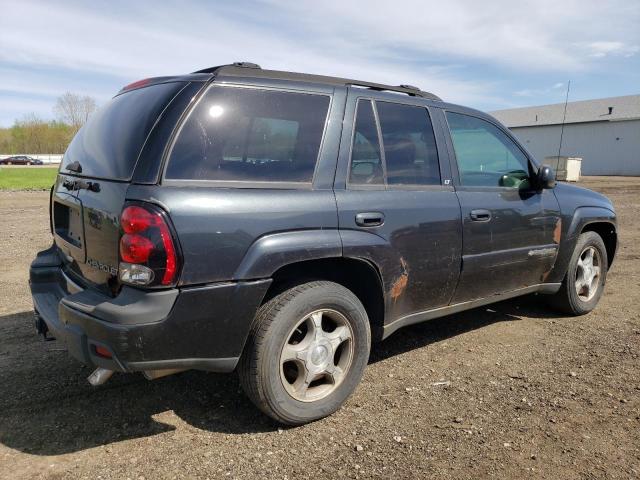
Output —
<point x="623" y="108"/>
<point x="606" y="148"/>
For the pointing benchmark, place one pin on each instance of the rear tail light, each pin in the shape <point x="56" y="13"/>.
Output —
<point x="102" y="351"/>
<point x="148" y="253"/>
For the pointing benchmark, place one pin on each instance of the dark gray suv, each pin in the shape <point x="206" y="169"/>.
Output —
<point x="277" y="223"/>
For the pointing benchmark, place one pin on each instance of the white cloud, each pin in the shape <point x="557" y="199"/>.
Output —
<point x="436" y="45"/>
<point x="540" y="92"/>
<point x="601" y="49"/>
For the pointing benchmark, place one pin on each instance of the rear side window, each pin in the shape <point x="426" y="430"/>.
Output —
<point x="250" y="135"/>
<point x="410" y="149"/>
<point x="108" y="145"/>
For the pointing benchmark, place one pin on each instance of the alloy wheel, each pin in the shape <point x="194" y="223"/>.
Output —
<point x="317" y="355"/>
<point x="587" y="278"/>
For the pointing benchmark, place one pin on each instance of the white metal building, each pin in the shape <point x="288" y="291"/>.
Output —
<point x="604" y="132"/>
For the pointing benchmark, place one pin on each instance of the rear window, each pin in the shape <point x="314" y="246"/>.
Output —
<point x="108" y="145"/>
<point x="250" y="135"/>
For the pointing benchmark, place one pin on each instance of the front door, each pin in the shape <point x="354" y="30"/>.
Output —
<point x="393" y="207"/>
<point x="510" y="228"/>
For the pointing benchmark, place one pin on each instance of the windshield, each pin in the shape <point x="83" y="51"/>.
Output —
<point x="108" y="145"/>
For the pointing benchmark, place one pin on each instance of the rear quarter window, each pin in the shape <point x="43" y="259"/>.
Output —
<point x="250" y="135"/>
<point x="108" y="145"/>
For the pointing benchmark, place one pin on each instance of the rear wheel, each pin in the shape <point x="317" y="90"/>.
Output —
<point x="306" y="353"/>
<point x="584" y="282"/>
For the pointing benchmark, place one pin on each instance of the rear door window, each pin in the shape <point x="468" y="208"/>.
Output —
<point x="109" y="144"/>
<point x="409" y="156"/>
<point x="410" y="151"/>
<point x="250" y="135"/>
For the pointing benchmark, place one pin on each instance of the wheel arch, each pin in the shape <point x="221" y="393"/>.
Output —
<point x="356" y="274"/>
<point x="609" y="235"/>
<point x="589" y="218"/>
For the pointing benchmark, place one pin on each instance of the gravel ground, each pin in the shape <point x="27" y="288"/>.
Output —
<point x="509" y="391"/>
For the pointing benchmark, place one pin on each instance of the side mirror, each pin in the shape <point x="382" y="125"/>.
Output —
<point x="546" y="177"/>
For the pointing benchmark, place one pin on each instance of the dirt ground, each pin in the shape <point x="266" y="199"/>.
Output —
<point x="509" y="391"/>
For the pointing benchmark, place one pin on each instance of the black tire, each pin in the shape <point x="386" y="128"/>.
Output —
<point x="260" y="366"/>
<point x="567" y="299"/>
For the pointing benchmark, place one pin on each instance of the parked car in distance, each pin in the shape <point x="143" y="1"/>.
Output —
<point x="20" y="160"/>
<point x="277" y="223"/>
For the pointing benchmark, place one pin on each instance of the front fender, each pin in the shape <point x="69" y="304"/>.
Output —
<point x="575" y="224"/>
<point x="586" y="215"/>
<point x="273" y="251"/>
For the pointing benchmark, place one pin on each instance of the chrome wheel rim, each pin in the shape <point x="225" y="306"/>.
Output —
<point x="587" y="278"/>
<point x="317" y="355"/>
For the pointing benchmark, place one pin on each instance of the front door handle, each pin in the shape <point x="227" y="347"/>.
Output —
<point x="370" y="219"/>
<point x="480" y="215"/>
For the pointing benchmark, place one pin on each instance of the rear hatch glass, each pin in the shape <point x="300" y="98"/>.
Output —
<point x="108" y="145"/>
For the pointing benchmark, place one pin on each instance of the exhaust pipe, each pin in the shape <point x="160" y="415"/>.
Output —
<point x="154" y="374"/>
<point x="99" y="376"/>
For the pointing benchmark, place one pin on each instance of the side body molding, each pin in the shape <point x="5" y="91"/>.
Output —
<point x="270" y="252"/>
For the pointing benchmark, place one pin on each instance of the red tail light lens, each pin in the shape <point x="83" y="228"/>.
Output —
<point x="135" y="219"/>
<point x="135" y="248"/>
<point x="147" y="250"/>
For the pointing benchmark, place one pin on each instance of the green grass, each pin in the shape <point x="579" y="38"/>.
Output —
<point x="27" y="178"/>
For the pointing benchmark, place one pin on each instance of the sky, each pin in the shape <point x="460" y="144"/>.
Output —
<point x="485" y="54"/>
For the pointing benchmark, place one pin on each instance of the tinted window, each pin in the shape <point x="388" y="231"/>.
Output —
<point x="366" y="162"/>
<point x="410" y="151"/>
<point x="250" y="135"/>
<point x="108" y="145"/>
<point x="486" y="156"/>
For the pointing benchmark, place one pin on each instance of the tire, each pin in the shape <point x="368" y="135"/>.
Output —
<point x="285" y="328"/>
<point x="567" y="299"/>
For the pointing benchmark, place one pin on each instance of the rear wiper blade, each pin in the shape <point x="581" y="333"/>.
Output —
<point x="74" y="167"/>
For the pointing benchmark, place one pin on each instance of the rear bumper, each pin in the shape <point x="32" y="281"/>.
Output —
<point x="199" y="327"/>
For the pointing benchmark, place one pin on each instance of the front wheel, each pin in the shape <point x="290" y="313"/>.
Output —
<point x="584" y="282"/>
<point x="306" y="353"/>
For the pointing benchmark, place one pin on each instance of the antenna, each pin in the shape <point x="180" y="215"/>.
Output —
<point x="564" y="117"/>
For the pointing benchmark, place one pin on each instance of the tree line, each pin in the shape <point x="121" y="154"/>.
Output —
<point x="35" y="135"/>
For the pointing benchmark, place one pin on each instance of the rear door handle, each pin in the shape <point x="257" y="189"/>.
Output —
<point x="480" y="215"/>
<point x="370" y="219"/>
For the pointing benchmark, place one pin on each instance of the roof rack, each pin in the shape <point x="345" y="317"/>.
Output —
<point x="241" y="69"/>
<point x="234" y="64"/>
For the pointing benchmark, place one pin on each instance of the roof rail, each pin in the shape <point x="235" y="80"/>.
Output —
<point x="408" y="89"/>
<point x="241" y="69"/>
<point x="234" y="64"/>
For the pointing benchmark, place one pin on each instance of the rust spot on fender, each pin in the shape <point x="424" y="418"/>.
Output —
<point x="557" y="231"/>
<point x="400" y="284"/>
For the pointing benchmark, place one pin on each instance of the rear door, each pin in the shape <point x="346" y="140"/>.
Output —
<point x="509" y="226"/>
<point x="394" y="206"/>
